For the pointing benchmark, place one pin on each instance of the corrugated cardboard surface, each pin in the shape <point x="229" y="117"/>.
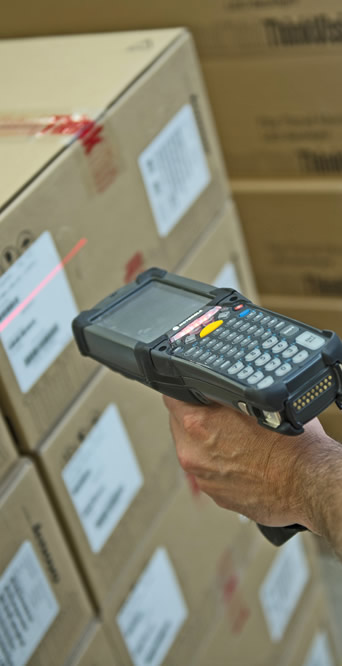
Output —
<point x="243" y="637"/>
<point x="315" y="619"/>
<point x="293" y="235"/>
<point x="94" y="649"/>
<point x="26" y="516"/>
<point x="131" y="86"/>
<point x="222" y="245"/>
<point x="8" y="454"/>
<point x="198" y="538"/>
<point x="146" y="422"/>
<point x="272" y="69"/>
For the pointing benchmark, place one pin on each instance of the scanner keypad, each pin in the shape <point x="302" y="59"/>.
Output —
<point x="252" y="347"/>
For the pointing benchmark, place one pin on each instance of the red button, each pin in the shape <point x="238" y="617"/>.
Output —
<point x="238" y="307"/>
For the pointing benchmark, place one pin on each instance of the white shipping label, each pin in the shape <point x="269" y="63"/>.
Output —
<point x="154" y="612"/>
<point x="27" y="607"/>
<point x="227" y="277"/>
<point x="103" y="477"/>
<point x="174" y="169"/>
<point x="36" y="285"/>
<point x="319" y="653"/>
<point x="283" y="586"/>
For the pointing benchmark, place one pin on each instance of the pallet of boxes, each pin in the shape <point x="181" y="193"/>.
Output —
<point x="110" y="164"/>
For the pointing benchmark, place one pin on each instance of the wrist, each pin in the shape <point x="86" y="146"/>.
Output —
<point x="318" y="474"/>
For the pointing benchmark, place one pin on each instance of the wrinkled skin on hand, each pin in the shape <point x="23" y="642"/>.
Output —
<point x="242" y="466"/>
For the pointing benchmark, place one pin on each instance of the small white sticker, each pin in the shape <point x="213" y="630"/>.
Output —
<point x="227" y="277"/>
<point x="174" y="169"/>
<point x="154" y="612"/>
<point x="283" y="586"/>
<point x="103" y="477"/>
<point x="319" y="653"/>
<point x="40" y="331"/>
<point x="27" y="607"/>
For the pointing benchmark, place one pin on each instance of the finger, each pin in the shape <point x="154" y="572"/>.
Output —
<point x="178" y="409"/>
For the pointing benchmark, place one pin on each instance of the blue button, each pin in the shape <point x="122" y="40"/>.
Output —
<point x="244" y="313"/>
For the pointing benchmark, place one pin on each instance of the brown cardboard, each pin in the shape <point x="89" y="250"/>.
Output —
<point x="88" y="187"/>
<point x="293" y="235"/>
<point x="145" y="420"/>
<point x="221" y="248"/>
<point x="278" y="117"/>
<point x="242" y="636"/>
<point x="8" y="454"/>
<point x="27" y="523"/>
<point x="272" y="69"/>
<point x="198" y="538"/>
<point x="94" y="649"/>
<point x="314" y="624"/>
<point x="230" y="29"/>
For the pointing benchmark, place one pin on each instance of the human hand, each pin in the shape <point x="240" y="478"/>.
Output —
<point x="244" y="467"/>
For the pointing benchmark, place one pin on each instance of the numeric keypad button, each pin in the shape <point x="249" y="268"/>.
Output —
<point x="266" y="335"/>
<point x="217" y="346"/>
<point x="204" y="356"/>
<point x="273" y="364"/>
<point x="234" y="369"/>
<point x="253" y="355"/>
<point x="270" y="342"/>
<point x="301" y="356"/>
<point x="264" y="321"/>
<point x="238" y="339"/>
<point x="256" y="377"/>
<point x="245" y="326"/>
<point x="284" y="370"/>
<point x="258" y="317"/>
<point x="253" y="344"/>
<point x="281" y="346"/>
<point x="290" y="351"/>
<point x="225" y="365"/>
<point x="240" y="354"/>
<point x="279" y="326"/>
<point x="211" y="343"/>
<point x="246" y="372"/>
<point x="252" y="329"/>
<point x="262" y="360"/>
<point x="237" y="324"/>
<point x="224" y="334"/>
<point x="197" y="353"/>
<point x="310" y="340"/>
<point x="266" y="382"/>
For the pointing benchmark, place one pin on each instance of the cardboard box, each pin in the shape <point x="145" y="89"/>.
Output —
<point x="263" y="603"/>
<point x="293" y="235"/>
<point x="8" y="454"/>
<point x="111" y="467"/>
<point x="220" y="256"/>
<point x="331" y="421"/>
<point x="172" y="592"/>
<point x="45" y="609"/>
<point x="272" y="69"/>
<point x="104" y="172"/>
<point x="312" y="641"/>
<point x="237" y="28"/>
<point x="94" y="649"/>
<point x="278" y="117"/>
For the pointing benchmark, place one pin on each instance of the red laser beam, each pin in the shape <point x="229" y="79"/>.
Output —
<point x="81" y="243"/>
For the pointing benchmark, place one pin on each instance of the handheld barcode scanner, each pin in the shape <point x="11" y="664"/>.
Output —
<point x="200" y="344"/>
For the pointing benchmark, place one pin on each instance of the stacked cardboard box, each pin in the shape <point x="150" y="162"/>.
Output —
<point x="272" y="70"/>
<point x="104" y="172"/>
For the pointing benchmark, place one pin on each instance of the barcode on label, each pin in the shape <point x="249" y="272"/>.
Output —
<point x="45" y="340"/>
<point x="5" y="312"/>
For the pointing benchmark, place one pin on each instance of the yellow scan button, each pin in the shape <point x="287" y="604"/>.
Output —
<point x="210" y="328"/>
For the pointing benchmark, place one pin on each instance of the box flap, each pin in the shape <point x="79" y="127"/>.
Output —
<point x="65" y="76"/>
